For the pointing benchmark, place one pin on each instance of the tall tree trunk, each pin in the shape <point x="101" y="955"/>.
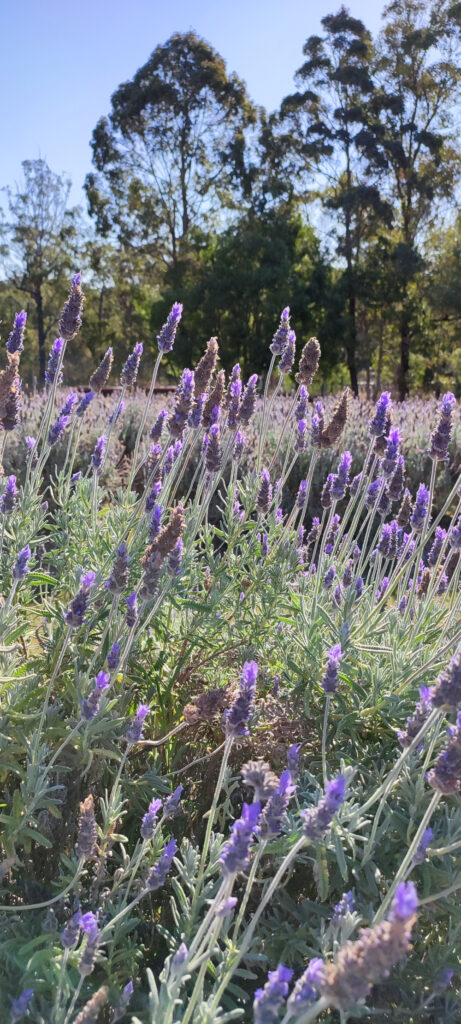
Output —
<point x="379" y="370"/>
<point x="352" y="338"/>
<point x="41" y="335"/>
<point x="404" y="367"/>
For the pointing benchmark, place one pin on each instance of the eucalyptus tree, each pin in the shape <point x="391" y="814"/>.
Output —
<point x="171" y="154"/>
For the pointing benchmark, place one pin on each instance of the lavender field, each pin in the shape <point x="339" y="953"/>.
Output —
<point x="230" y="670"/>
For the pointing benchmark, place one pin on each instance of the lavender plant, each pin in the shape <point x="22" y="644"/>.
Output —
<point x="230" y="746"/>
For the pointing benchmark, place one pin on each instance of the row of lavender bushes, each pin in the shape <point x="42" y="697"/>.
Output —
<point x="229" y="744"/>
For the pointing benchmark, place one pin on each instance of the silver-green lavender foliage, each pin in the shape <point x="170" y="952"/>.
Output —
<point x="223" y="744"/>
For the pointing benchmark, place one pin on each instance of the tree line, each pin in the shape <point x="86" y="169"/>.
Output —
<point x="342" y="203"/>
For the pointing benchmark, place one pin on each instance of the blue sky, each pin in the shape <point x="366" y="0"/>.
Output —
<point x="61" y="62"/>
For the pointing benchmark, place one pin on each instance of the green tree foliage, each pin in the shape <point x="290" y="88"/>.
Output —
<point x="319" y="129"/>
<point x="411" y="141"/>
<point x="172" y="152"/>
<point x="40" y="245"/>
<point x="237" y="285"/>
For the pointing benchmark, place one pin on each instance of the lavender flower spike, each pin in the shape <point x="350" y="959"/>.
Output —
<point x="16" y="337"/>
<point x="84" y="403"/>
<point x="441" y="436"/>
<point x="165" y="339"/>
<point x="99" y="452"/>
<point x="149" y="821"/>
<point x="377" y="426"/>
<point x="71" y="316"/>
<point x="264" y="496"/>
<point x="288" y="355"/>
<point x="9" y="498"/>
<point x="20" y="1005"/>
<point x="269" y="1000"/>
<point x="305" y="991"/>
<point x="134" y="732"/>
<point x="90" y="705"/>
<point x="280" y="338"/>
<point x="420" y="509"/>
<point x="318" y="819"/>
<point x="131" y="367"/>
<point x="330" y="681"/>
<point x="248" y="402"/>
<point x="158" y="874"/>
<point x="446" y="773"/>
<point x="235" y="854"/>
<point x="341" y="480"/>
<point x="446" y="694"/>
<point x="53" y="361"/>
<point x="20" y="567"/>
<point x="75" y="616"/>
<point x="361" y="964"/>
<point x="56" y="431"/>
<point x="235" y="718"/>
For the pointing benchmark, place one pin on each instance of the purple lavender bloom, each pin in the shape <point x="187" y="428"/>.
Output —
<point x="341" y="480"/>
<point x="20" y="567"/>
<point x="305" y="991"/>
<point x="68" y="406"/>
<point x="293" y="761"/>
<point x="372" y="494"/>
<point x="345" y="906"/>
<point x="330" y="681"/>
<point x="85" y="401"/>
<point x="166" y="338"/>
<point x="226" y="907"/>
<point x="300" y="442"/>
<point x="382" y="588"/>
<point x="355" y="484"/>
<point x="155" y="524"/>
<point x="153" y="495"/>
<point x="317" y="425"/>
<point x="265" y="545"/>
<point x="89" y="925"/>
<point x="30" y="442"/>
<point x="419" y="716"/>
<point x="420" y="511"/>
<point x="115" y="415"/>
<point x="158" y="874"/>
<point x="56" y="431"/>
<point x="443" y="584"/>
<point x="183" y="404"/>
<point x="131" y="367"/>
<point x="318" y="819"/>
<point x="405" y="902"/>
<point x="235" y="855"/>
<point x="53" y="362"/>
<point x="396" y="483"/>
<point x="134" y="732"/>
<point x="16" y="336"/>
<point x="248" y="403"/>
<point x="213" y="454"/>
<point x="196" y="413"/>
<point x="118" y="578"/>
<point x="171" y="805"/>
<point x="157" y="429"/>
<point x="389" y="460"/>
<point x="149" y="821"/>
<point x="113" y="658"/>
<point x="326" y="500"/>
<point x="264" y="496"/>
<point x="421" y="849"/>
<point x="280" y="338"/>
<point x="273" y="815"/>
<point x="239" y="446"/>
<point x="71" y="933"/>
<point x="446" y="693"/>
<point x="75" y="616"/>
<point x="348" y="573"/>
<point x="454" y="535"/>
<point x="302" y="490"/>
<point x="9" y="498"/>
<point x="131" y="615"/>
<point x="288" y="355"/>
<point x="234" y="404"/>
<point x="20" y="1005"/>
<point x="269" y="1000"/>
<point x="377" y="426"/>
<point x="174" y="565"/>
<point x="235" y="718"/>
<point x="329" y="578"/>
<point x="446" y="773"/>
<point x="90" y="705"/>
<point x="359" y="586"/>
<point x="99" y="452"/>
<point x="301" y="408"/>
<point x="441" y="436"/>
